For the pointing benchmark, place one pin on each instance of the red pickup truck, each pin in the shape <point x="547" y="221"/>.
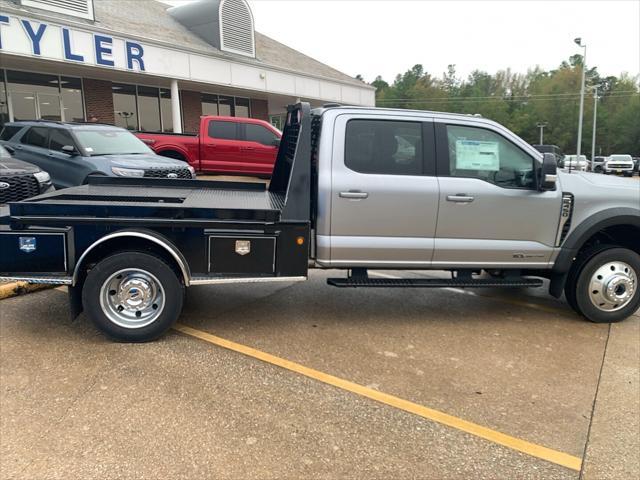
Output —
<point x="224" y="144"/>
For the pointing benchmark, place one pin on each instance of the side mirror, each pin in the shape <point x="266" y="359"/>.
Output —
<point x="276" y="143"/>
<point x="70" y="149"/>
<point x="548" y="173"/>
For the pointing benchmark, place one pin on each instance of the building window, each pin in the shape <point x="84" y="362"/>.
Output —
<point x="149" y="109"/>
<point x="71" y="89"/>
<point x="166" y="110"/>
<point x="125" y="106"/>
<point x="4" y="105"/>
<point x="277" y="121"/>
<point x="225" y="106"/>
<point x="34" y="96"/>
<point x="242" y="107"/>
<point x="209" y="104"/>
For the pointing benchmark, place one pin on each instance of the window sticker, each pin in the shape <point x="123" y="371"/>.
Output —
<point x="477" y="155"/>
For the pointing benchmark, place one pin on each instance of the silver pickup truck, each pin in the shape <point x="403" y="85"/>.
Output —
<point x="352" y="189"/>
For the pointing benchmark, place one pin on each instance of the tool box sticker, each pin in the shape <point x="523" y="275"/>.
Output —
<point x="27" y="244"/>
<point x="477" y="155"/>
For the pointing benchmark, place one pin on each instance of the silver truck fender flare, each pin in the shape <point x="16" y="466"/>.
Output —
<point x="149" y="236"/>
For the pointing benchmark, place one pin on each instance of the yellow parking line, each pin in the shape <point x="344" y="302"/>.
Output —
<point x="538" y="451"/>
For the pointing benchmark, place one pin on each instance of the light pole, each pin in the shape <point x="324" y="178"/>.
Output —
<point x="541" y="126"/>
<point x="578" y="41"/>
<point x="593" y="136"/>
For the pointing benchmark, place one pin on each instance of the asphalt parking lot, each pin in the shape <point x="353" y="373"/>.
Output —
<point x="518" y="365"/>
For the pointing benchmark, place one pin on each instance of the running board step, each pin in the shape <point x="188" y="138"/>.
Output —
<point x="433" y="282"/>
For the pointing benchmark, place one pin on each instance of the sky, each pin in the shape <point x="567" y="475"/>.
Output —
<point x="387" y="37"/>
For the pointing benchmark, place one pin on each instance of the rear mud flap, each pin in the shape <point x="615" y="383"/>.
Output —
<point x="75" y="301"/>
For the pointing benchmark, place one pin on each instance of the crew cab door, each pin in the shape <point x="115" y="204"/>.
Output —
<point x="384" y="193"/>
<point x="220" y="146"/>
<point x="491" y="212"/>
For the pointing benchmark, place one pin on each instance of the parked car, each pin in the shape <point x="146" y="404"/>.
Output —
<point x="619" y="164"/>
<point x="20" y="180"/>
<point x="597" y="165"/>
<point x="636" y="164"/>
<point x="571" y="162"/>
<point x="555" y="150"/>
<point x="72" y="152"/>
<point x="223" y="144"/>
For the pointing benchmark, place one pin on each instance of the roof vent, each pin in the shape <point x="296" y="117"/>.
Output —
<point x="225" y="24"/>
<point x="236" y="28"/>
<point x="75" y="8"/>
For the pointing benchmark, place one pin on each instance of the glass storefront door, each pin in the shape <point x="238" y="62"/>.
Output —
<point x="49" y="106"/>
<point x="36" y="96"/>
<point x="23" y="106"/>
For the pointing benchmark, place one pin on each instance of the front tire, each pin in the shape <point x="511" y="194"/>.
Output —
<point x="606" y="287"/>
<point x="133" y="296"/>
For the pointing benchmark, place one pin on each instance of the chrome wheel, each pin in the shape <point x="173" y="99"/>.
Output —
<point x="612" y="286"/>
<point x="132" y="298"/>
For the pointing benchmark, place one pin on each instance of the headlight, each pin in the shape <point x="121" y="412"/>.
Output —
<point x="192" y="170"/>
<point x="42" y="177"/>
<point x="127" y="172"/>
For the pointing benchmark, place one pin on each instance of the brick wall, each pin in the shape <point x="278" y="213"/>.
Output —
<point x="260" y="109"/>
<point x="98" y="98"/>
<point x="191" y="110"/>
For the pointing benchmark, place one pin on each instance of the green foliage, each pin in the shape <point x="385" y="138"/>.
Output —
<point x="521" y="101"/>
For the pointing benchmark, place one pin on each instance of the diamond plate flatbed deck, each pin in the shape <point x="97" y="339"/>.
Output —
<point x="158" y="200"/>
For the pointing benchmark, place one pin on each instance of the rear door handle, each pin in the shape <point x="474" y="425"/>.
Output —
<point x="247" y="148"/>
<point x="354" y="195"/>
<point x="460" y="198"/>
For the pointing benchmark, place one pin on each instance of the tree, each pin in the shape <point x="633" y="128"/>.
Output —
<point x="520" y="101"/>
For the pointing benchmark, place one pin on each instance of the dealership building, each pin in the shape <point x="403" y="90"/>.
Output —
<point x="144" y="65"/>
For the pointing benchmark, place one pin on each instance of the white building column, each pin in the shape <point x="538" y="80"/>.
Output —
<point x="176" y="112"/>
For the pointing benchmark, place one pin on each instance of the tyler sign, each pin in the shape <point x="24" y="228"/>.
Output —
<point x="36" y="38"/>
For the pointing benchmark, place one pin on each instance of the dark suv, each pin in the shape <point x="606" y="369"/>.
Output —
<point x="20" y="180"/>
<point x="72" y="152"/>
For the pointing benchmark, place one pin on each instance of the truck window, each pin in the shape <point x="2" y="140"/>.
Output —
<point x="259" y="134"/>
<point x="483" y="154"/>
<point x="59" y="138"/>
<point x="384" y="147"/>
<point x="223" y="130"/>
<point x="9" y="131"/>
<point x="37" y="136"/>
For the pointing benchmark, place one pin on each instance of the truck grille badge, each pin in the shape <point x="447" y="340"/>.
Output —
<point x="243" y="247"/>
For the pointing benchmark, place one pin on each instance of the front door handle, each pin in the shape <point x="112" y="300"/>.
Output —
<point x="354" y="195"/>
<point x="460" y="198"/>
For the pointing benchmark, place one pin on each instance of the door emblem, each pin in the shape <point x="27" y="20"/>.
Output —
<point x="27" y="244"/>
<point x="4" y="185"/>
<point x="172" y="175"/>
<point x="243" y="247"/>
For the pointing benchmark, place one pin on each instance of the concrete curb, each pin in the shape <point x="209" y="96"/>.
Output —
<point x="13" y="289"/>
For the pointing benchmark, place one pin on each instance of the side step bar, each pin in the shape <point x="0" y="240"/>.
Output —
<point x="363" y="281"/>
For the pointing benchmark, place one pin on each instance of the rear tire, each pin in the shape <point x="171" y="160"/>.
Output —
<point x="605" y="289"/>
<point x="133" y="296"/>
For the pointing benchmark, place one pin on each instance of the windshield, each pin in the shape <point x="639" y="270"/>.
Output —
<point x="3" y="153"/>
<point x="621" y="158"/>
<point x="103" y="141"/>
